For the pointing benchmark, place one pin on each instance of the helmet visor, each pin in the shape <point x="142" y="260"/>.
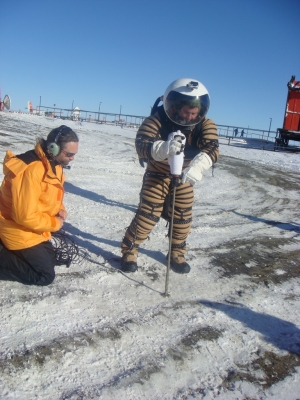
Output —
<point x="184" y="109"/>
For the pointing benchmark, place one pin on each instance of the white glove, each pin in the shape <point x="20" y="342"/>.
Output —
<point x="163" y="149"/>
<point x="193" y="172"/>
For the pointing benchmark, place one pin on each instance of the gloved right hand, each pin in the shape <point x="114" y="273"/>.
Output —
<point x="163" y="149"/>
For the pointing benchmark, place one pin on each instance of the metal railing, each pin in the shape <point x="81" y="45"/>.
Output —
<point x="92" y="116"/>
<point x="254" y="138"/>
<point x="228" y="134"/>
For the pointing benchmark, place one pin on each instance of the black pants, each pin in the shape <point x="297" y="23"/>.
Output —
<point x="32" y="266"/>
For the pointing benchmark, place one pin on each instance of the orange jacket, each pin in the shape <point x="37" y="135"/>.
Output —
<point x="31" y="196"/>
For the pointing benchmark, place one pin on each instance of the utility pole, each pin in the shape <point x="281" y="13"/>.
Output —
<point x="99" y="111"/>
<point x="269" y="129"/>
<point x="72" y="109"/>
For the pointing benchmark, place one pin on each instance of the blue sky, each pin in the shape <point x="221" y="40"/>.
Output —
<point x="125" y="53"/>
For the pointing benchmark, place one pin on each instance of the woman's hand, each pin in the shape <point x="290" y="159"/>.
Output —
<point x="62" y="214"/>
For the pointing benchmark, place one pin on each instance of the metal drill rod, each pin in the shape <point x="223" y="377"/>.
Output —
<point x="175" y="181"/>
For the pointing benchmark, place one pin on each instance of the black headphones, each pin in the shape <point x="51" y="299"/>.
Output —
<point x="53" y="148"/>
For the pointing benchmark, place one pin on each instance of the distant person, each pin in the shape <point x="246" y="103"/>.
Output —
<point x="185" y="104"/>
<point x="242" y="133"/>
<point x="31" y="207"/>
<point x="236" y="131"/>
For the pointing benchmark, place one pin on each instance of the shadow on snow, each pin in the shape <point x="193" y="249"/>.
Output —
<point x="281" y="225"/>
<point x="282" y="334"/>
<point x="70" y="188"/>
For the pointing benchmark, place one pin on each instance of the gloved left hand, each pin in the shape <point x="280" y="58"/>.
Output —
<point x="193" y="172"/>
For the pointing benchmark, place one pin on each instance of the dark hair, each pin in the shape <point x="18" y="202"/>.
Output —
<point x="62" y="135"/>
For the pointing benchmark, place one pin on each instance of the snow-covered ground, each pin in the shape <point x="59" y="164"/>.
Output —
<point x="229" y="330"/>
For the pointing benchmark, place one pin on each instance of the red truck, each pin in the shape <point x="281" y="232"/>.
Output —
<point x="291" y="121"/>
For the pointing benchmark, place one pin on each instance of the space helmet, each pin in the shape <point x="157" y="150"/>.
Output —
<point x="181" y="100"/>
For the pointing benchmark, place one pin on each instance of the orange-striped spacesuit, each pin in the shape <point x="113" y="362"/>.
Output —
<point x="157" y="183"/>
